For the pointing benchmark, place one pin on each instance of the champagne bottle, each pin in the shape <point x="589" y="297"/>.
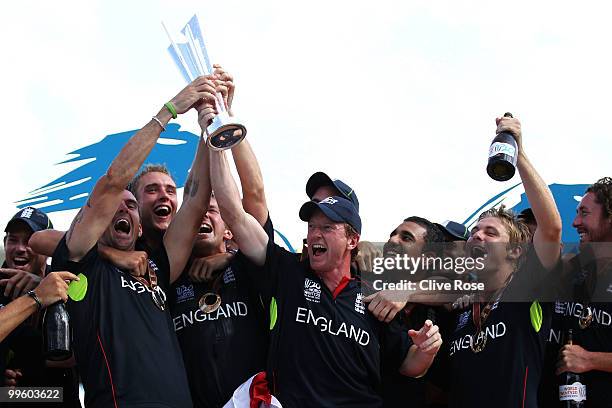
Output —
<point x="572" y="392"/>
<point x="503" y="154"/>
<point x="57" y="333"/>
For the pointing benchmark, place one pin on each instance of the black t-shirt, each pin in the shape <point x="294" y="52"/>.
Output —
<point x="125" y="346"/>
<point x="27" y="351"/>
<point x="587" y="280"/>
<point x="235" y="335"/>
<point x="597" y="337"/>
<point x="326" y="348"/>
<point x="507" y="372"/>
<point x="222" y="349"/>
<point x="399" y="391"/>
<point x="4" y="344"/>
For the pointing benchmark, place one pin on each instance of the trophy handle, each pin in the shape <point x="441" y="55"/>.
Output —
<point x="224" y="132"/>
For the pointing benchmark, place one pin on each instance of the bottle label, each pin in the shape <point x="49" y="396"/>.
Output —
<point x="572" y="392"/>
<point x="501" y="148"/>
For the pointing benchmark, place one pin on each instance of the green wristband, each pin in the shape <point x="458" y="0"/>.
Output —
<point x="171" y="109"/>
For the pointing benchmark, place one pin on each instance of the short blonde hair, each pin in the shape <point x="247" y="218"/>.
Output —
<point x="148" y="168"/>
<point x="517" y="230"/>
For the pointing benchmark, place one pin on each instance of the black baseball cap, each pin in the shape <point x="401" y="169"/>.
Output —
<point x="452" y="229"/>
<point x="36" y="219"/>
<point x="337" y="209"/>
<point x="527" y="215"/>
<point x="320" y="179"/>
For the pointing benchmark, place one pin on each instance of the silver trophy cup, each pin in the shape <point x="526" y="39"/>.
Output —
<point x="191" y="58"/>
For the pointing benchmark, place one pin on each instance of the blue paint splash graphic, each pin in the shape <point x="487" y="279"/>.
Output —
<point x="176" y="150"/>
<point x="71" y="190"/>
<point x="566" y="197"/>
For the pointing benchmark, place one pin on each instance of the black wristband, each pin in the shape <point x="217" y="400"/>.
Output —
<point x="32" y="294"/>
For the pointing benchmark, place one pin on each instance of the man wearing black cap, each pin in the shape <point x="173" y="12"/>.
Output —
<point x="21" y="272"/>
<point x="529" y="219"/>
<point x="325" y="347"/>
<point x="320" y="186"/>
<point x="22" y="269"/>
<point x="453" y="231"/>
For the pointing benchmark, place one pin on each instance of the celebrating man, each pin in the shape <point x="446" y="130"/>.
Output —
<point x="125" y="346"/>
<point x="497" y="348"/>
<point x="318" y="306"/>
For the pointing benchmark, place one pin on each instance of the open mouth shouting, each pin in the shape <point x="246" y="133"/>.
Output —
<point x="318" y="250"/>
<point x="478" y="252"/>
<point x="122" y="226"/>
<point x="20" y="261"/>
<point x="205" y="228"/>
<point x="162" y="210"/>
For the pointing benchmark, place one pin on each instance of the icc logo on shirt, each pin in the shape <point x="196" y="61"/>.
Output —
<point x="312" y="290"/>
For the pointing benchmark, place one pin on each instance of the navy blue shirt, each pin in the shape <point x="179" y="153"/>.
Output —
<point x="222" y="349"/>
<point x="326" y="348"/>
<point x="125" y="346"/>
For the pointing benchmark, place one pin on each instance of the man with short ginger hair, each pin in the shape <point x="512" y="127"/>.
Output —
<point x="319" y="306"/>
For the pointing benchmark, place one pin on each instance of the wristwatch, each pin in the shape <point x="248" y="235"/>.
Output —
<point x="32" y="294"/>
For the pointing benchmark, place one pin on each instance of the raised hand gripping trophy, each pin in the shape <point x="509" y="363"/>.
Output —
<point x="192" y="60"/>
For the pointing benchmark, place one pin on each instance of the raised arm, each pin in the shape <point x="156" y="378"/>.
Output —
<point x="248" y="233"/>
<point x="183" y="229"/>
<point x="94" y="217"/>
<point x="547" y="237"/>
<point x="251" y="179"/>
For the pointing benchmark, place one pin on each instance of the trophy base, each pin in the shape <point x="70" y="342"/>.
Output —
<point x="225" y="132"/>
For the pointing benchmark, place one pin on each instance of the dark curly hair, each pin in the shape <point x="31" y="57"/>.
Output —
<point x="603" y="194"/>
<point x="433" y="237"/>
